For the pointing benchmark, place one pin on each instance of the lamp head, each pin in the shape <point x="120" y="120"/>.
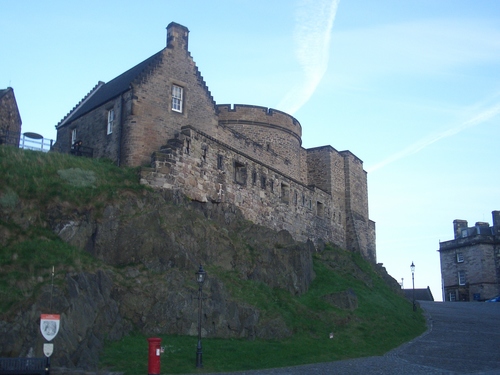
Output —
<point x="201" y="275"/>
<point x="412" y="267"/>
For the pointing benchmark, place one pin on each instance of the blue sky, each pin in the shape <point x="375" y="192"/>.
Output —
<point x="410" y="87"/>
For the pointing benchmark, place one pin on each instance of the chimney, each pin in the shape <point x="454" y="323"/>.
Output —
<point x="458" y="225"/>
<point x="496" y="222"/>
<point x="177" y="36"/>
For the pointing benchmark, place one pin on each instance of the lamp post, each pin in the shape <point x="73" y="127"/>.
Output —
<point x="412" y="267"/>
<point x="200" y="279"/>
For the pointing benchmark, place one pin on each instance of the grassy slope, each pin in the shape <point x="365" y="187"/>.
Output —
<point x="32" y="182"/>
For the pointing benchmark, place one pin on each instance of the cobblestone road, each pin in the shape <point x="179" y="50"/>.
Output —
<point x="463" y="338"/>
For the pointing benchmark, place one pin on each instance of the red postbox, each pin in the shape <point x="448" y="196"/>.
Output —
<point x="154" y="356"/>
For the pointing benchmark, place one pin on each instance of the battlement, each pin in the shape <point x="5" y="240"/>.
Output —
<point x="249" y="114"/>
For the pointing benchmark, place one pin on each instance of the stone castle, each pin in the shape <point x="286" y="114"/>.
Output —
<point x="161" y="114"/>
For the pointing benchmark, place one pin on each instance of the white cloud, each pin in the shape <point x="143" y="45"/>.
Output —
<point x="477" y="119"/>
<point x="314" y="22"/>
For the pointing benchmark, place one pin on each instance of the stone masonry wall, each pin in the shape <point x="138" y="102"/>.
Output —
<point x="478" y="265"/>
<point x="275" y="131"/>
<point x="10" y="120"/>
<point x="264" y="195"/>
<point x="153" y="121"/>
<point x="92" y="129"/>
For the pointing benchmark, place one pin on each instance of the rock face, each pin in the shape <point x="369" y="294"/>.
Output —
<point x="151" y="247"/>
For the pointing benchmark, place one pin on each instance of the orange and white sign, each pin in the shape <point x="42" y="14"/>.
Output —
<point x="49" y="325"/>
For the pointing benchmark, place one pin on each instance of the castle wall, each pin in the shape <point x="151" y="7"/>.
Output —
<point x="245" y="155"/>
<point x="265" y="196"/>
<point x="277" y="132"/>
<point x="10" y="119"/>
<point x="359" y="235"/>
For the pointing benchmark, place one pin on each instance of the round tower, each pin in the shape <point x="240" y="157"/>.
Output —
<point x="277" y="132"/>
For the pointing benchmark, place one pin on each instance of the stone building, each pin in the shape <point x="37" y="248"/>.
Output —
<point x="470" y="263"/>
<point x="10" y="119"/>
<point x="161" y="115"/>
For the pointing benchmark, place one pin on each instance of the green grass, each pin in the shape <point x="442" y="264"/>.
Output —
<point x="27" y="265"/>
<point x="49" y="177"/>
<point x="382" y="321"/>
<point x="35" y="186"/>
<point x="32" y="185"/>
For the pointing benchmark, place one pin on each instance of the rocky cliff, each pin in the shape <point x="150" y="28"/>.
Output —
<point x="150" y="245"/>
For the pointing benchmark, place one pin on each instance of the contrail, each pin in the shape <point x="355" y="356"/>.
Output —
<point x="423" y="143"/>
<point x="314" y="23"/>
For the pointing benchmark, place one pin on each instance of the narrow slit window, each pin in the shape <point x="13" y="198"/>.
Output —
<point x="220" y="162"/>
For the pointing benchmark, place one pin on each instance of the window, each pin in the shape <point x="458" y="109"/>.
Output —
<point x="204" y="150"/>
<point x="220" y="163"/>
<point x="460" y="258"/>
<point x="188" y="146"/>
<point x="240" y="173"/>
<point x="254" y="178"/>
<point x="177" y="93"/>
<point x="73" y="137"/>
<point x="285" y="193"/>
<point x="111" y="120"/>
<point x="452" y="297"/>
<point x="320" y="209"/>
<point x="465" y="232"/>
<point x="461" y="277"/>
<point x="263" y="182"/>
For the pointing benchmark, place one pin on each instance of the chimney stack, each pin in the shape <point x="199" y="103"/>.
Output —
<point x="177" y="36"/>
<point x="458" y="225"/>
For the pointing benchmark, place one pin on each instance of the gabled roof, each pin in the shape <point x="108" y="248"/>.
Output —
<point x="3" y="91"/>
<point x="104" y="92"/>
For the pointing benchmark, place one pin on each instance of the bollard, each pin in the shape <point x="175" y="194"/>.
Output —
<point x="154" y="356"/>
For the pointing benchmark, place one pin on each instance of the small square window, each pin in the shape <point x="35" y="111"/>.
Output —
<point x="177" y="98"/>
<point x="111" y="120"/>
<point x="452" y="297"/>
<point x="460" y="257"/>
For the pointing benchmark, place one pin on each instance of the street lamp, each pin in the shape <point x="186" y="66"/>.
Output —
<point x="200" y="279"/>
<point x="412" y="267"/>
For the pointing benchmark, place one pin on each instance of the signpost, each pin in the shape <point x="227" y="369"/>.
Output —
<point x="49" y="326"/>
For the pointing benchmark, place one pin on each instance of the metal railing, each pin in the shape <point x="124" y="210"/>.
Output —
<point x="36" y="142"/>
<point x="19" y="366"/>
<point x="28" y="141"/>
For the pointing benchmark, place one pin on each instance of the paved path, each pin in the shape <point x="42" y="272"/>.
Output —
<point x="463" y="338"/>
